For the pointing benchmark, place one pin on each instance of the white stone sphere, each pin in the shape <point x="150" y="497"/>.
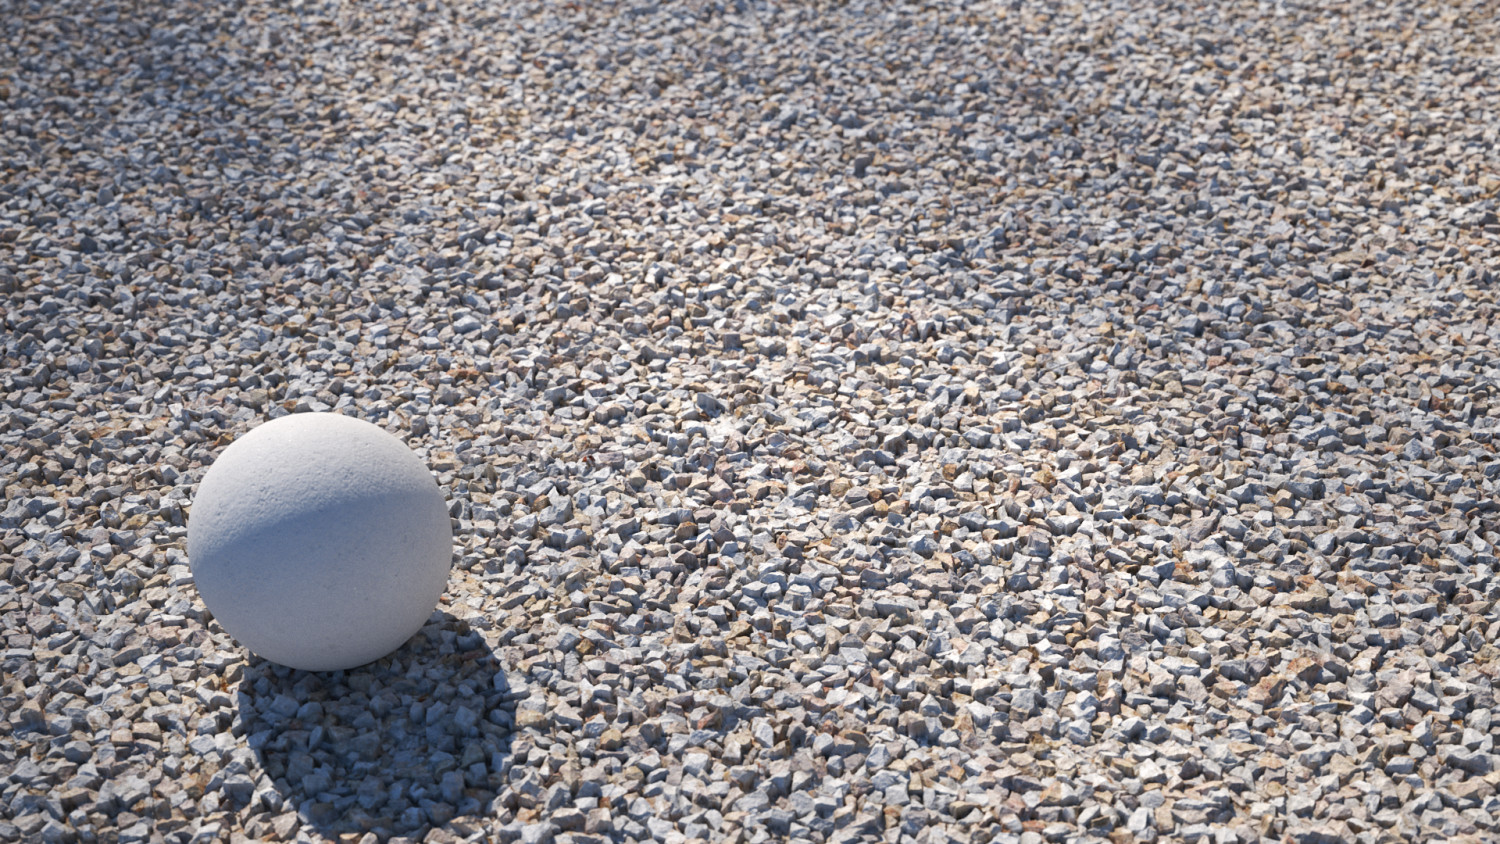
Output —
<point x="320" y="541"/>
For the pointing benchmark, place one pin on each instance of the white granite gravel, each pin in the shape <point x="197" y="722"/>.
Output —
<point x="959" y="422"/>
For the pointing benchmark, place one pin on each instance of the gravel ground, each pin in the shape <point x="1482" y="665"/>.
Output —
<point x="967" y="422"/>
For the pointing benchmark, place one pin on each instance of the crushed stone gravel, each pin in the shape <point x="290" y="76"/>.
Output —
<point x="944" y="422"/>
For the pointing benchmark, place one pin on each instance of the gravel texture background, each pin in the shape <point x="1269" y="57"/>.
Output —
<point x="962" y="422"/>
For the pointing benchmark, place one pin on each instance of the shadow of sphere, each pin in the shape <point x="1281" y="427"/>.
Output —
<point x="417" y="740"/>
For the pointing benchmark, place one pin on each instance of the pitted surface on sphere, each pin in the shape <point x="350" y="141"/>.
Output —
<point x="320" y="541"/>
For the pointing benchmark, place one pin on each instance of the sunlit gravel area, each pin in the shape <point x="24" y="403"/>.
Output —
<point x="963" y="422"/>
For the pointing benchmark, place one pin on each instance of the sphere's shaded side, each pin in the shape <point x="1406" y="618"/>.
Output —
<point x="359" y="587"/>
<point x="320" y="548"/>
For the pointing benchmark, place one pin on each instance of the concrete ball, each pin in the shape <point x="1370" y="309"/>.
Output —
<point x="320" y="541"/>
